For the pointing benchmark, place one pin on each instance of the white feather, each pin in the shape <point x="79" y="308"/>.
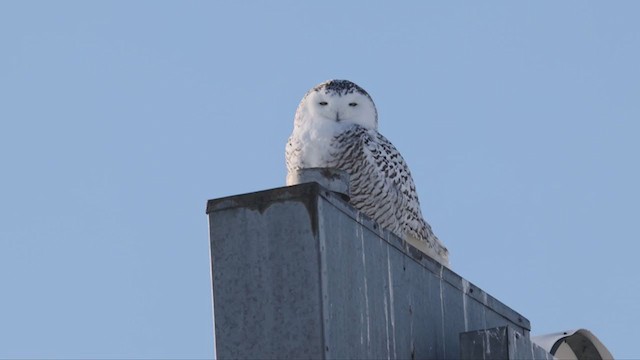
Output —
<point x="336" y="126"/>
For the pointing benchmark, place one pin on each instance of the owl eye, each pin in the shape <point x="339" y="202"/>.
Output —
<point x="353" y="104"/>
<point x="323" y="103"/>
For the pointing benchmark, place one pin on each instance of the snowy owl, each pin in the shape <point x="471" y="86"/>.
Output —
<point x="336" y="126"/>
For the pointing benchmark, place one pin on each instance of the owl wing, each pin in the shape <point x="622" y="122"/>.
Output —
<point x="376" y="172"/>
<point x="386" y="191"/>
<point x="398" y="179"/>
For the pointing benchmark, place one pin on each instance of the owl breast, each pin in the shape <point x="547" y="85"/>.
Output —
<point x="313" y="146"/>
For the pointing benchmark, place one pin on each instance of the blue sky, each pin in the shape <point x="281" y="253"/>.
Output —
<point x="118" y="120"/>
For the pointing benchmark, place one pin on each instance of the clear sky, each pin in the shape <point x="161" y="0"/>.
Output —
<point x="118" y="120"/>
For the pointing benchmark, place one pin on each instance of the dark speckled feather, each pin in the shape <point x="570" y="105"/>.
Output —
<point x="336" y="126"/>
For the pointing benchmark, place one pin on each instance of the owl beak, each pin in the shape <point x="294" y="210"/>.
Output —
<point x="337" y="116"/>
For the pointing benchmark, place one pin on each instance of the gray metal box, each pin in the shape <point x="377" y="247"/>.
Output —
<point x="298" y="273"/>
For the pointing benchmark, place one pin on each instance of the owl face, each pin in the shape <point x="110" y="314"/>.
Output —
<point x="340" y="102"/>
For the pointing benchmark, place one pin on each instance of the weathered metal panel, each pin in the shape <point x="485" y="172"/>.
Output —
<point x="297" y="272"/>
<point x="427" y="313"/>
<point x="500" y="343"/>
<point x="490" y="344"/>
<point x="454" y="319"/>
<point x="265" y="282"/>
<point x="474" y="310"/>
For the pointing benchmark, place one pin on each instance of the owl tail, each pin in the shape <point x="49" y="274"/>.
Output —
<point x="433" y="248"/>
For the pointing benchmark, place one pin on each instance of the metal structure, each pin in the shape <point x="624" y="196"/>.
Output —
<point x="298" y="273"/>
<point x="574" y="344"/>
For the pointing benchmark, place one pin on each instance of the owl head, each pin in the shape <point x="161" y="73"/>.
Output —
<point x="338" y="102"/>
